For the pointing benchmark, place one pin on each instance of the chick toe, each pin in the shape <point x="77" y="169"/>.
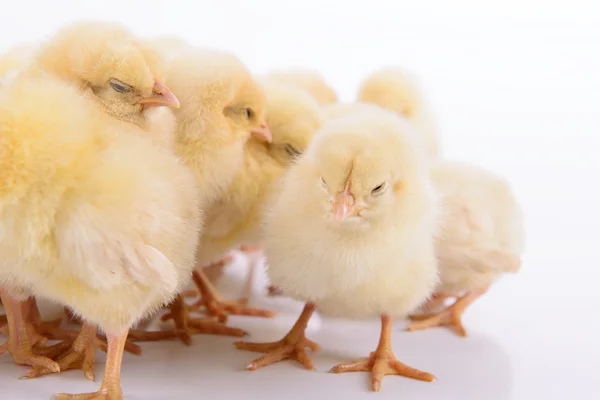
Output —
<point x="292" y="347"/>
<point x="450" y="317"/>
<point x="382" y="362"/>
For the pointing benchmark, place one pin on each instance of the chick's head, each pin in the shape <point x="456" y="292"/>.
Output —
<point x="308" y="80"/>
<point x="367" y="168"/>
<point x="293" y="117"/>
<point x="108" y="62"/>
<point x="218" y="96"/>
<point x="394" y="89"/>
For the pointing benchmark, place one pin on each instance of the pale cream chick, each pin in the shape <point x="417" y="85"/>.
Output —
<point x="399" y="90"/>
<point x="120" y="71"/>
<point x="352" y="234"/>
<point x="221" y="107"/>
<point x="308" y="80"/>
<point x="293" y="117"/>
<point x="101" y="220"/>
<point x="339" y="110"/>
<point x="15" y="59"/>
<point x="123" y="75"/>
<point x="481" y="238"/>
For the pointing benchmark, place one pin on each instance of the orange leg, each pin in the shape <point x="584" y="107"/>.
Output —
<point x="111" y="384"/>
<point x="291" y="347"/>
<point x="185" y="326"/>
<point x="450" y="316"/>
<point x="217" y="307"/>
<point x="19" y="343"/>
<point x="382" y="361"/>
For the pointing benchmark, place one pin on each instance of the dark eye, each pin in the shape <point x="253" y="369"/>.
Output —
<point x="249" y="113"/>
<point x="379" y="189"/>
<point x="292" y="151"/>
<point x="119" y="86"/>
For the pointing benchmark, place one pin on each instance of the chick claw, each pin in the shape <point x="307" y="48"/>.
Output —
<point x="81" y="354"/>
<point x="221" y="309"/>
<point x="380" y="364"/>
<point x="23" y="355"/>
<point x="447" y="317"/>
<point x="289" y="348"/>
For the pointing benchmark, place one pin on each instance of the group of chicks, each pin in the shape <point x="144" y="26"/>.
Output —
<point x="131" y="166"/>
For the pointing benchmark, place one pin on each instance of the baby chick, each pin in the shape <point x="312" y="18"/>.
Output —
<point x="308" y="80"/>
<point x="481" y="237"/>
<point x="351" y="234"/>
<point x="221" y="107"/>
<point x="399" y="91"/>
<point x="122" y="74"/>
<point x="293" y="117"/>
<point x="103" y="221"/>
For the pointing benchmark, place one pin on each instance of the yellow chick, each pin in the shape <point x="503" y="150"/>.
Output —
<point x="123" y="75"/>
<point x="307" y="80"/>
<point x="293" y="117"/>
<point x="102" y="221"/>
<point x="221" y="106"/>
<point x="481" y="238"/>
<point x="399" y="91"/>
<point x="120" y="71"/>
<point x="351" y="233"/>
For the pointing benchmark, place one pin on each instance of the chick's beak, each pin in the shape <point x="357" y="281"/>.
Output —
<point x="262" y="133"/>
<point x="343" y="205"/>
<point x="161" y="96"/>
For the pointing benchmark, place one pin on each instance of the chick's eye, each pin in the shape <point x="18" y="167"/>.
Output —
<point x="119" y="86"/>
<point x="249" y="113"/>
<point x="379" y="189"/>
<point x="292" y="151"/>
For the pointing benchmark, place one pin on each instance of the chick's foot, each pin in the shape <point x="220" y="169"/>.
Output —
<point x="216" y="307"/>
<point x="81" y="354"/>
<point x="382" y="362"/>
<point x="292" y="347"/>
<point x="111" y="384"/>
<point x="20" y="344"/>
<point x="450" y="317"/>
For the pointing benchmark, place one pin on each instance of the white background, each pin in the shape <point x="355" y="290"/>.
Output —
<point x="516" y="87"/>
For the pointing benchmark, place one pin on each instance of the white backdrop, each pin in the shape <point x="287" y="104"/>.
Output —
<point x="516" y="87"/>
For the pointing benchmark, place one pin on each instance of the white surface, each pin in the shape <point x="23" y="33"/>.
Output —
<point x="516" y="87"/>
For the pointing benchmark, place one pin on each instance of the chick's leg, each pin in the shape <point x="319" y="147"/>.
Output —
<point x="450" y="316"/>
<point x="185" y="326"/>
<point x="219" y="308"/>
<point x="382" y="361"/>
<point x="293" y="346"/>
<point x="111" y="384"/>
<point x="19" y="343"/>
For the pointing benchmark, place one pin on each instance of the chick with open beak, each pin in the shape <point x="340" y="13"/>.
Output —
<point x="161" y="97"/>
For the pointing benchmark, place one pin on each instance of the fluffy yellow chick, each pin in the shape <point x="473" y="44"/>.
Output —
<point x="307" y="80"/>
<point x="103" y="221"/>
<point x="352" y="234"/>
<point x="481" y="238"/>
<point x="15" y="59"/>
<point x="122" y="72"/>
<point x="399" y="91"/>
<point x="293" y="117"/>
<point x="221" y="106"/>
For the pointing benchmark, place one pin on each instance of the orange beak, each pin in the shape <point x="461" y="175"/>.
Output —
<point x="161" y="97"/>
<point x="262" y="133"/>
<point x="343" y="204"/>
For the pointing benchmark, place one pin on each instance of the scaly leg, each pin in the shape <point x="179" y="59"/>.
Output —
<point x="382" y="361"/>
<point x="291" y="347"/>
<point x="186" y="326"/>
<point x="219" y="308"/>
<point x="450" y="317"/>
<point x="213" y="272"/>
<point x="111" y="384"/>
<point x="19" y="343"/>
